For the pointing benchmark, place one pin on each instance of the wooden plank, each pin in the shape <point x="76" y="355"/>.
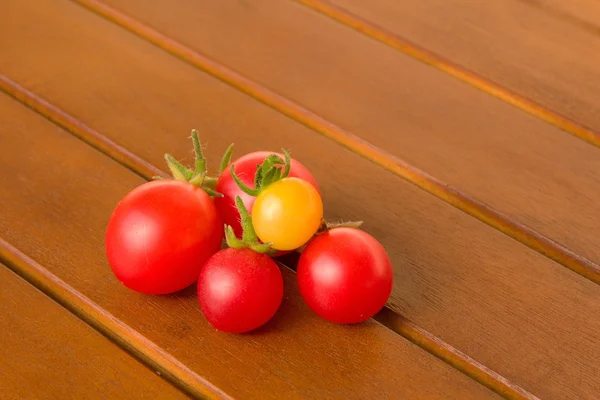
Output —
<point x="48" y="353"/>
<point x="62" y="226"/>
<point x="582" y="14"/>
<point x="459" y="72"/>
<point x="465" y="282"/>
<point x="520" y="32"/>
<point x="119" y="332"/>
<point x="389" y="99"/>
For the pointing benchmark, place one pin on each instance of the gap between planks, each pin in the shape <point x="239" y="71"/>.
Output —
<point x="108" y="325"/>
<point x="141" y="347"/>
<point x="464" y="202"/>
<point x="471" y="78"/>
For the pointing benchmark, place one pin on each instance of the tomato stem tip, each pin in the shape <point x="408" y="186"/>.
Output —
<point x="267" y="173"/>
<point x="242" y="185"/>
<point x="200" y="159"/>
<point x="226" y="159"/>
<point x="249" y="238"/>
<point x="197" y="176"/>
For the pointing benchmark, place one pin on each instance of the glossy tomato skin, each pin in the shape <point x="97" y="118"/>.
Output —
<point x="160" y="234"/>
<point x="345" y="275"/>
<point x="287" y="213"/>
<point x="239" y="290"/>
<point x="245" y="169"/>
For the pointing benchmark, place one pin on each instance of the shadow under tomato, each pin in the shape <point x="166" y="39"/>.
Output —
<point x="190" y="291"/>
<point x="275" y="324"/>
<point x="290" y="260"/>
<point x="292" y="313"/>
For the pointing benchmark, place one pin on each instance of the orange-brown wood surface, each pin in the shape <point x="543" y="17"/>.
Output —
<point x="62" y="193"/>
<point x="582" y="14"/>
<point x="440" y="281"/>
<point x="530" y="47"/>
<point x="488" y="305"/>
<point x="508" y="159"/>
<point x="47" y="353"/>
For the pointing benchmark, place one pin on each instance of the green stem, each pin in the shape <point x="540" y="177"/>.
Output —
<point x="179" y="172"/>
<point x="210" y="182"/>
<point x="200" y="159"/>
<point x="232" y="240"/>
<point x="277" y="174"/>
<point x="249" y="234"/>
<point x="288" y="163"/>
<point x="258" y="176"/>
<point x="242" y="185"/>
<point x="268" y="178"/>
<point x="271" y="161"/>
<point x="197" y="180"/>
<point x="270" y="171"/>
<point x="249" y="238"/>
<point x="226" y="159"/>
<point x="197" y="176"/>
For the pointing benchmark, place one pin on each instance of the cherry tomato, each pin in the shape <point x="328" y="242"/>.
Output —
<point x="239" y="290"/>
<point x="245" y="169"/>
<point x="287" y="213"/>
<point x="345" y="275"/>
<point x="160" y="234"/>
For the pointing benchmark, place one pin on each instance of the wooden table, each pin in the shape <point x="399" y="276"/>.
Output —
<point x="464" y="133"/>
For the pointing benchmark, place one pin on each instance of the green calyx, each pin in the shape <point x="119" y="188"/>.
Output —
<point x="268" y="172"/>
<point x="197" y="176"/>
<point x="249" y="238"/>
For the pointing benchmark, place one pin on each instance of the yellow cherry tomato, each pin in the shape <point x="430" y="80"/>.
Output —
<point x="287" y="213"/>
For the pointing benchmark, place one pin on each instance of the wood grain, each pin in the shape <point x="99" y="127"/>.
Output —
<point x="47" y="353"/>
<point x="501" y="303"/>
<point x="531" y="46"/>
<point x="56" y="210"/>
<point x="388" y="99"/>
<point x="582" y="14"/>
<point x="297" y="112"/>
<point x="453" y="69"/>
<point x="93" y="314"/>
<point x="389" y="318"/>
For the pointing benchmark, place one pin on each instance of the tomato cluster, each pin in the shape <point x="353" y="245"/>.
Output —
<point x="166" y="235"/>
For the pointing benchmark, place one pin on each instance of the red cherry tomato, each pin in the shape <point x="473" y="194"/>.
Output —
<point x="345" y="275"/>
<point x="245" y="169"/>
<point x="160" y="234"/>
<point x="239" y="290"/>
